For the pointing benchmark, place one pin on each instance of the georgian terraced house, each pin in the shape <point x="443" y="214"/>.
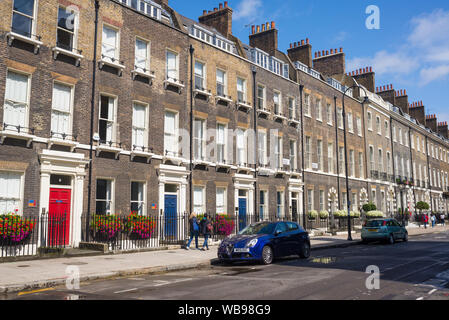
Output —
<point x="114" y="106"/>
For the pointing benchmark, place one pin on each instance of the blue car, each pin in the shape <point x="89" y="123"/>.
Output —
<point x="265" y="241"/>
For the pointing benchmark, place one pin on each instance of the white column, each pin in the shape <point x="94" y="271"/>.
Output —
<point x="44" y="201"/>
<point x="76" y="223"/>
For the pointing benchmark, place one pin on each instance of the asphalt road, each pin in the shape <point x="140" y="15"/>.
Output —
<point x="417" y="270"/>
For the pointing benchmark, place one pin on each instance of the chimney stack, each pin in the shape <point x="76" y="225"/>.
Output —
<point x="443" y="129"/>
<point x="302" y="52"/>
<point x="366" y="78"/>
<point x="388" y="94"/>
<point x="417" y="111"/>
<point x="402" y="101"/>
<point x="266" y="40"/>
<point x="220" y="19"/>
<point x="331" y="64"/>
<point x="432" y="122"/>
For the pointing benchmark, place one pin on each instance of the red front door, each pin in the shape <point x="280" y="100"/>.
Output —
<point x="59" y="217"/>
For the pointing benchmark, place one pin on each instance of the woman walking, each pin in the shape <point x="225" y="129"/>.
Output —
<point x="206" y="230"/>
<point x="194" y="230"/>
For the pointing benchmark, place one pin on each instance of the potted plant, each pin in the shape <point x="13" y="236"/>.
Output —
<point x="140" y="227"/>
<point x="14" y="229"/>
<point x="106" y="227"/>
<point x="367" y="207"/>
<point x="324" y="215"/>
<point x="312" y="214"/>
<point x="374" y="214"/>
<point x="355" y="214"/>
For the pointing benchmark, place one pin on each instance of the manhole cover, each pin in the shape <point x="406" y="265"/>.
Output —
<point x="75" y="263"/>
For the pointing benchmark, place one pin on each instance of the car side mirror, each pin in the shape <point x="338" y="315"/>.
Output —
<point x="278" y="232"/>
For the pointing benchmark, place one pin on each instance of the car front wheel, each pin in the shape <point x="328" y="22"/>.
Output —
<point x="267" y="255"/>
<point x="406" y="237"/>
<point x="305" y="251"/>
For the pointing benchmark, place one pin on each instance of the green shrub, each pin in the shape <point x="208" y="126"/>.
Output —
<point x="355" y="214"/>
<point x="374" y="214"/>
<point x="312" y="214"/>
<point x="324" y="214"/>
<point x="422" y="205"/>
<point x="369" y="207"/>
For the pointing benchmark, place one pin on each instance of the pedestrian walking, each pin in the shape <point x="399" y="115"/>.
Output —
<point x="206" y="230"/>
<point x="425" y="220"/>
<point x="194" y="230"/>
<point x="433" y="219"/>
<point x="442" y="216"/>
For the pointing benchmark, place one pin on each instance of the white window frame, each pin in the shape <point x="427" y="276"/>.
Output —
<point x="116" y="58"/>
<point x="170" y="148"/>
<point x="144" y="129"/>
<point x="72" y="98"/>
<point x="114" y="120"/>
<point x="196" y="205"/>
<point x="19" y="200"/>
<point x="199" y="143"/>
<point x="112" y="200"/>
<point x="76" y="15"/>
<point x="167" y="70"/>
<point x="141" y="203"/>
<point x="27" y="103"/>
<point x="33" y="18"/>
<point x="146" y="68"/>
<point x="225" y="198"/>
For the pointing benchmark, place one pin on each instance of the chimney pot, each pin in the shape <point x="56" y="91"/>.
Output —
<point x="327" y="52"/>
<point x="316" y="55"/>
<point x="226" y="4"/>
<point x="307" y="40"/>
<point x="220" y="6"/>
<point x="253" y="29"/>
<point x="291" y="45"/>
<point x="215" y="9"/>
<point x="273" y="25"/>
<point x="302" y="42"/>
<point x="267" y="26"/>
<point x="332" y="51"/>
<point x="204" y="12"/>
<point x="258" y="29"/>
<point x="341" y="49"/>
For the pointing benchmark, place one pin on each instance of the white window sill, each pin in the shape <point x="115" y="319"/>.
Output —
<point x="279" y="116"/>
<point x="16" y="135"/>
<point x="57" y="51"/>
<point x="62" y="142"/>
<point x="294" y="121"/>
<point x="145" y="74"/>
<point x="202" y="92"/>
<point x="143" y="154"/>
<point x="36" y="43"/>
<point x="174" y="83"/>
<point x="263" y="111"/>
<point x="221" y="98"/>
<point x="116" y="65"/>
<point x="106" y="148"/>
<point x="243" y="105"/>
<point x="200" y="162"/>
<point x="172" y="158"/>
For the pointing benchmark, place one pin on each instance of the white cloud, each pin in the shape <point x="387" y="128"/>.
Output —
<point x="431" y="74"/>
<point x="424" y="53"/>
<point x="248" y="9"/>
<point x="385" y="62"/>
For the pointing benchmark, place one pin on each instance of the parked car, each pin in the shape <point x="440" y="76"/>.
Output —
<point x="388" y="230"/>
<point x="265" y="241"/>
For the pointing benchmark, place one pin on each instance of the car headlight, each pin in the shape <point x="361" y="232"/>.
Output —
<point x="252" y="243"/>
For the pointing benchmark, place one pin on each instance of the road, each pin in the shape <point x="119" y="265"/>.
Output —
<point x="417" y="270"/>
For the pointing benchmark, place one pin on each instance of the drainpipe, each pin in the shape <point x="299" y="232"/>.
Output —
<point x="392" y="155"/>
<point x="256" y="157"/>
<point x="337" y="153"/>
<point x="429" y="174"/>
<point x="301" y="92"/>
<point x="412" y="166"/>
<point x="192" y="50"/>
<point x="92" y="108"/>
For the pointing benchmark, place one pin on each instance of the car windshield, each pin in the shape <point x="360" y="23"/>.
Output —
<point x="374" y="223"/>
<point x="259" y="228"/>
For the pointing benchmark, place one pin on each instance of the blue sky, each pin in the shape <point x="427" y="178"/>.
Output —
<point x="410" y="50"/>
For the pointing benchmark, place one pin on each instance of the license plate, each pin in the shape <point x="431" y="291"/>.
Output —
<point x="372" y="230"/>
<point x="240" y="250"/>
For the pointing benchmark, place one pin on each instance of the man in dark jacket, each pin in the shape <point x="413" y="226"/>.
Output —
<point x="194" y="230"/>
<point x="206" y="230"/>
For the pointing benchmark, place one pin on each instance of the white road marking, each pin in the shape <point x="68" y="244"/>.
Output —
<point x="421" y="298"/>
<point x="432" y="291"/>
<point x="164" y="283"/>
<point x="128" y="290"/>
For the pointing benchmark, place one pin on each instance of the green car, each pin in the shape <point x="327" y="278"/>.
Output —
<point x="388" y="230"/>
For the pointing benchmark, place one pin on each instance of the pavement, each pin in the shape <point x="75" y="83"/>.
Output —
<point x="40" y="274"/>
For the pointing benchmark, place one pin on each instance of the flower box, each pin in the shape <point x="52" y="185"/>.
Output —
<point x="15" y="230"/>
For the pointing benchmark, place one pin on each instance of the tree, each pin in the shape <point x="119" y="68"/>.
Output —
<point x="369" y="207"/>
<point x="422" y="206"/>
